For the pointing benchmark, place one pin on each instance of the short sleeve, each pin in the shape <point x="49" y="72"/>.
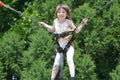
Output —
<point x="71" y="24"/>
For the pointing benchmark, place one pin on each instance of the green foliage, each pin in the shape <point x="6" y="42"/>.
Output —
<point x="10" y="51"/>
<point x="86" y="68"/>
<point x="41" y="44"/>
<point x="2" y="73"/>
<point x="36" y="60"/>
<point x="40" y="47"/>
<point x="37" y="71"/>
<point x="115" y="74"/>
<point x="81" y="12"/>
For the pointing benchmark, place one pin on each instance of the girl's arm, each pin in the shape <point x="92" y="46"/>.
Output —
<point x="49" y="28"/>
<point x="78" y="29"/>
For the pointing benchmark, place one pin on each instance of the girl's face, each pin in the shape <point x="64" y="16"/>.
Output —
<point x="61" y="14"/>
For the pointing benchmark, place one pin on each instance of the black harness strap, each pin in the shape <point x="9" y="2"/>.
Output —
<point x="64" y="34"/>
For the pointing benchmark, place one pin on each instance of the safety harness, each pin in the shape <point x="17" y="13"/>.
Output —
<point x="63" y="35"/>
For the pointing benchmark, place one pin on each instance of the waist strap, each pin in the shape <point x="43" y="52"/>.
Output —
<point x="58" y="48"/>
<point x="64" y="34"/>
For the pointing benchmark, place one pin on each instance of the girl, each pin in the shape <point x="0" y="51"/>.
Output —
<point x="63" y="28"/>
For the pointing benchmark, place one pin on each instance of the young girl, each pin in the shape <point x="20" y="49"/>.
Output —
<point x="63" y="28"/>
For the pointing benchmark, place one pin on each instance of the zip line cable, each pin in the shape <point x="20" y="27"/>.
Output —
<point x="18" y="12"/>
<point x="7" y="6"/>
<point x="100" y="9"/>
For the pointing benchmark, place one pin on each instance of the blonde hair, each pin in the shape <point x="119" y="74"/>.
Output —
<point x="65" y="7"/>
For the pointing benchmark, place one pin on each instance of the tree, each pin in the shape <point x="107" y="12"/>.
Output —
<point x="36" y="61"/>
<point x="86" y="68"/>
<point x="11" y="49"/>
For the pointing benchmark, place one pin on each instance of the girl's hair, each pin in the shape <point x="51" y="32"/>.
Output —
<point x="65" y="7"/>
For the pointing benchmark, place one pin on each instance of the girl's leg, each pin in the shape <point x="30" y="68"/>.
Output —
<point x="70" y="54"/>
<point x="56" y="65"/>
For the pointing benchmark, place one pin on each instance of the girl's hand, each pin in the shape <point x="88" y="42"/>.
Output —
<point x="84" y="21"/>
<point x="41" y="24"/>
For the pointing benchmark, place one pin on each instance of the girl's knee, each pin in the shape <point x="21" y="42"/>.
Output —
<point x="70" y="62"/>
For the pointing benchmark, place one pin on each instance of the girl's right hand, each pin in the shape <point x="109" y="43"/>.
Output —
<point x="41" y="24"/>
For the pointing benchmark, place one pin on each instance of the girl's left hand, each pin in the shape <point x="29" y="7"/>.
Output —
<point x="84" y="21"/>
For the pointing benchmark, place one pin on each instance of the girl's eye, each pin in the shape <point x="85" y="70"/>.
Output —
<point x="61" y="12"/>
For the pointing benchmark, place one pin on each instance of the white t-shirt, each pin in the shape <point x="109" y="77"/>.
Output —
<point x="60" y="28"/>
